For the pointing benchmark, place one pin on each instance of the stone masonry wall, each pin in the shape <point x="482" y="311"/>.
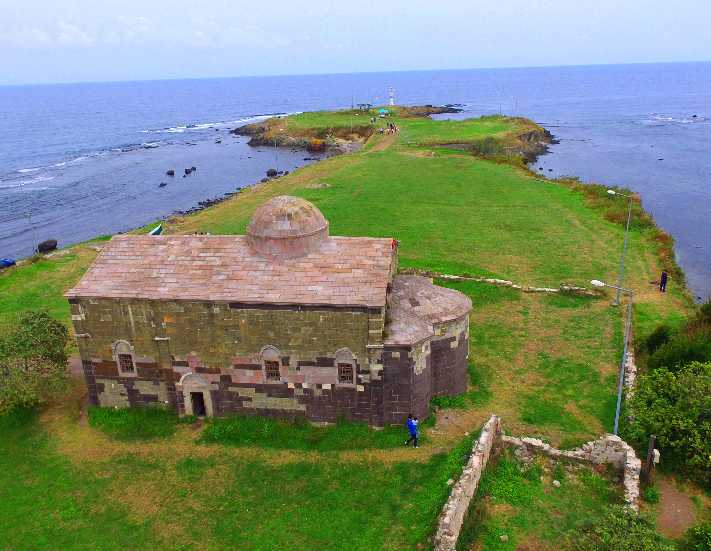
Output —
<point x="452" y="516"/>
<point x="222" y="345"/>
<point x="450" y="355"/>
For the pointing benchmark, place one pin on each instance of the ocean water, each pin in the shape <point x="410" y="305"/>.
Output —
<point x="82" y="160"/>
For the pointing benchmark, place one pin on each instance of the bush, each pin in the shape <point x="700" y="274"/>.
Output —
<point x="697" y="538"/>
<point x="620" y="530"/>
<point x="134" y="423"/>
<point x="682" y="350"/>
<point x="650" y="494"/>
<point x="488" y="147"/>
<point x="675" y="406"/>
<point x="661" y="335"/>
<point x="33" y="361"/>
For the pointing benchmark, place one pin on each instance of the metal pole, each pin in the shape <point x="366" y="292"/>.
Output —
<point x="628" y="326"/>
<point x="624" y="252"/>
<point x="276" y="155"/>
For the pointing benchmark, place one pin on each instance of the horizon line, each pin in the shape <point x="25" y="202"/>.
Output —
<point x="280" y="75"/>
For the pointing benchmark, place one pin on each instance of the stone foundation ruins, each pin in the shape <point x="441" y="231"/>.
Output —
<point x="606" y="450"/>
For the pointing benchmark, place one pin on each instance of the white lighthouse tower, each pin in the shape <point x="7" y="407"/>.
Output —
<point x="391" y="92"/>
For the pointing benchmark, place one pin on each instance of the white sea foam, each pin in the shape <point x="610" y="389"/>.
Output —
<point x="661" y="119"/>
<point x="179" y="129"/>
<point x="26" y="170"/>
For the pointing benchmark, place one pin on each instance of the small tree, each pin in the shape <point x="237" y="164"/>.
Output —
<point x="675" y="406"/>
<point x="33" y="361"/>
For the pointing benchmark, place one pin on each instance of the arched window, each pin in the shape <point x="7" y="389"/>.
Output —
<point x="346" y="366"/>
<point x="271" y="361"/>
<point x="123" y="354"/>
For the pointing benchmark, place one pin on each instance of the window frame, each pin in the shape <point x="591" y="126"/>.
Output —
<point x="345" y="357"/>
<point x="351" y="369"/>
<point x="124" y="349"/>
<point x="272" y="371"/>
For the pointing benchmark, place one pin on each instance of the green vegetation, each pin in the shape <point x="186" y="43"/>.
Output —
<point x="33" y="361"/>
<point x="673" y="395"/>
<point x="698" y="538"/>
<point x="650" y="494"/>
<point x="675" y="406"/>
<point x="299" y="435"/>
<point x="135" y="424"/>
<point x="546" y="364"/>
<point x="516" y="504"/>
<point x="40" y="285"/>
<point x="119" y="496"/>
<point x="620" y="530"/>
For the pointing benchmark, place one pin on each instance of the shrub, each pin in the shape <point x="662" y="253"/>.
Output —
<point x="487" y="147"/>
<point x="650" y="494"/>
<point x="697" y="538"/>
<point x="33" y="361"/>
<point x="704" y="314"/>
<point x="675" y="405"/>
<point x="682" y="350"/>
<point x="619" y="530"/>
<point x="657" y="338"/>
<point x="134" y="423"/>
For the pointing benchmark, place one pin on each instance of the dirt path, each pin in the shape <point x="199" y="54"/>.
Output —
<point x="676" y="510"/>
<point x="382" y="142"/>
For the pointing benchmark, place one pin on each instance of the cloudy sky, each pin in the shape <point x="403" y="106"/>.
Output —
<point x="97" y="40"/>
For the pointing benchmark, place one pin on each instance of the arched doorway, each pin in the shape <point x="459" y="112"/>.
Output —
<point x="196" y="395"/>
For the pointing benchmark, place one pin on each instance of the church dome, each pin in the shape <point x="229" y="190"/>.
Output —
<point x="287" y="226"/>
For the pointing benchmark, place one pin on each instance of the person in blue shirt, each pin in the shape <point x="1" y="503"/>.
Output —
<point x="412" y="423"/>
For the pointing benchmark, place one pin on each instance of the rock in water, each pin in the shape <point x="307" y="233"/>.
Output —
<point x="46" y="246"/>
<point x="171" y="172"/>
<point x="162" y="184"/>
<point x="272" y="172"/>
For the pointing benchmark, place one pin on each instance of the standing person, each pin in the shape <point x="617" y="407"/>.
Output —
<point x="663" y="282"/>
<point x="412" y="423"/>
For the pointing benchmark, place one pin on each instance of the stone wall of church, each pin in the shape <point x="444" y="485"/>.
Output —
<point x="450" y="356"/>
<point x="221" y="347"/>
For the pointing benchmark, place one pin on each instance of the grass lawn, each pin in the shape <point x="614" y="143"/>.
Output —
<point x="68" y="486"/>
<point x="546" y="364"/>
<point x="520" y="502"/>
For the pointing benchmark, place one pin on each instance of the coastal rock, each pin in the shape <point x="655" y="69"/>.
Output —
<point x="170" y="172"/>
<point x="272" y="172"/>
<point x="46" y="246"/>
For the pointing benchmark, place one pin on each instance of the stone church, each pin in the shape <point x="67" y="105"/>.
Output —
<point x="285" y="321"/>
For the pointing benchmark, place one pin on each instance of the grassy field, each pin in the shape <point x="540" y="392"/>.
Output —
<point x="520" y="503"/>
<point x="546" y="364"/>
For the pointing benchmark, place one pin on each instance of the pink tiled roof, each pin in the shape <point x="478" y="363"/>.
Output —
<point x="416" y="304"/>
<point x="344" y="271"/>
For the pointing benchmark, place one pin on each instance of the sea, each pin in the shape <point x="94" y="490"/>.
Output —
<point x="82" y="160"/>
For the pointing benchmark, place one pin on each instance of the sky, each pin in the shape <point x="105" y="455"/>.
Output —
<point x="48" y="41"/>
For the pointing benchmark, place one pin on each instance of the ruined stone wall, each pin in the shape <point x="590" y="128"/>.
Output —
<point x="455" y="509"/>
<point x="450" y="354"/>
<point x="608" y="449"/>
